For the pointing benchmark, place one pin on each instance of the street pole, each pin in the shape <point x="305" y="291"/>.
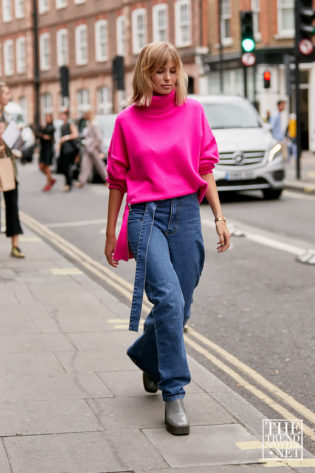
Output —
<point x="220" y="49"/>
<point x="36" y="67"/>
<point x="245" y="80"/>
<point x="297" y="94"/>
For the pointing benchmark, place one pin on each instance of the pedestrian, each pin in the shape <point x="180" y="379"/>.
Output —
<point x="68" y="149"/>
<point x="276" y="126"/>
<point x="13" y="225"/>
<point x="92" y="154"/>
<point x="46" y="136"/>
<point x="162" y="154"/>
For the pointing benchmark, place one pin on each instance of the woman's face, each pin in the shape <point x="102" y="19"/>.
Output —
<point x="164" y="78"/>
<point x="5" y="96"/>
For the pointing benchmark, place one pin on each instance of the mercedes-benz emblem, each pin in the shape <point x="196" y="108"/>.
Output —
<point x="238" y="158"/>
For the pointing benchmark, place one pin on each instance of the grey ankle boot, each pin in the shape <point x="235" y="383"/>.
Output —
<point x="176" y="418"/>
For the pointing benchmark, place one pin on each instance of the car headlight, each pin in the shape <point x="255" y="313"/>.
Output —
<point x="275" y="152"/>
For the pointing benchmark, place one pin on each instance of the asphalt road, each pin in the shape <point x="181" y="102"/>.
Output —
<point x="255" y="301"/>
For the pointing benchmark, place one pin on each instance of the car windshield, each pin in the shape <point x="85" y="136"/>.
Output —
<point x="231" y="115"/>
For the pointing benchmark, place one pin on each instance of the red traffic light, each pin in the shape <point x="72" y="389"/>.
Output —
<point x="267" y="75"/>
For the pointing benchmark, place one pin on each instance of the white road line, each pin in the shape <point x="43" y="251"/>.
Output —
<point x="298" y="195"/>
<point x="76" y="224"/>
<point x="266" y="240"/>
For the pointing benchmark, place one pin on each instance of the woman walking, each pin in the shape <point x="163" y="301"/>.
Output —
<point x="46" y="136"/>
<point x="13" y="225"/>
<point x="162" y="154"/>
<point x="92" y="151"/>
<point x="68" y="149"/>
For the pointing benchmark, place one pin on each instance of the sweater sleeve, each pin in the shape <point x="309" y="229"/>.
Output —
<point x="117" y="160"/>
<point x="209" y="155"/>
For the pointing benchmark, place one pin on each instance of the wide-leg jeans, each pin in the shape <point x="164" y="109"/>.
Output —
<point x="174" y="262"/>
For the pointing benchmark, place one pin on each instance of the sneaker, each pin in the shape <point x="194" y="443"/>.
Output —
<point x="52" y="182"/>
<point x="47" y="188"/>
<point x="17" y="253"/>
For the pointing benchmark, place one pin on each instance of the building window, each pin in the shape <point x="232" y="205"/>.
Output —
<point x="46" y="104"/>
<point x="256" y="10"/>
<point x="62" y="47"/>
<point x="20" y="55"/>
<point x="19" y="8"/>
<point x="104" y="104"/>
<point x="83" y="101"/>
<point x="120" y="35"/>
<point x="101" y="40"/>
<point x="8" y="57"/>
<point x="43" y="6"/>
<point x="183" y="22"/>
<point x="138" y="29"/>
<point x="6" y="10"/>
<point x="81" y="45"/>
<point x="44" y="48"/>
<point x="225" y="20"/>
<point x="61" y="4"/>
<point x="160" y="22"/>
<point x="286" y="17"/>
<point x="23" y="105"/>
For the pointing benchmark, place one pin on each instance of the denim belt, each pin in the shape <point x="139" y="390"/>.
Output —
<point x="142" y="251"/>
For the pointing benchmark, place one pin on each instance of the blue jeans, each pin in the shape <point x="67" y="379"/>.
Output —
<point x="174" y="262"/>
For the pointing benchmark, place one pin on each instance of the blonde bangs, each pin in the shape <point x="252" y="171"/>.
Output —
<point x="152" y="57"/>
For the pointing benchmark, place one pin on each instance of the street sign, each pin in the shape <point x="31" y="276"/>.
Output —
<point x="306" y="47"/>
<point x="248" y="59"/>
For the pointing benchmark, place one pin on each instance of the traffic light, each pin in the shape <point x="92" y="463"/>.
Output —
<point x="305" y="29"/>
<point x="118" y="71"/>
<point x="247" y="32"/>
<point x="64" y="80"/>
<point x="267" y="78"/>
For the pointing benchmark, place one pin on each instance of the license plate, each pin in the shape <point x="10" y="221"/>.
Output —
<point x="232" y="176"/>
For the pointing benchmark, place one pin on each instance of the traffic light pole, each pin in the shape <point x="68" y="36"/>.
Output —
<point x="297" y="90"/>
<point x="36" y="67"/>
<point x="245" y="80"/>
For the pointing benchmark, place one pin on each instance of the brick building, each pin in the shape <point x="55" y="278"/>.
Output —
<point x="86" y="35"/>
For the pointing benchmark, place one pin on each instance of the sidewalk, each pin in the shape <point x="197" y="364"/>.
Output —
<point x="307" y="182"/>
<point x="72" y="402"/>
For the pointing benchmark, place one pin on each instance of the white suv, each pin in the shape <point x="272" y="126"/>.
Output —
<point x="250" y="158"/>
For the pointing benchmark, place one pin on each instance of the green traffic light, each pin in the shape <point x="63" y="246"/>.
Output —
<point x="248" y="45"/>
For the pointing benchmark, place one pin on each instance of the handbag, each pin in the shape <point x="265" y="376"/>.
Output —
<point x="7" y="177"/>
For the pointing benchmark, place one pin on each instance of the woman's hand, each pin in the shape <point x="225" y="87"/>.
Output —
<point x="109" y="250"/>
<point x="224" y="236"/>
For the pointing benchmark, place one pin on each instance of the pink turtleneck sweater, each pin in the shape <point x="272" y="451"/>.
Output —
<point x="159" y="152"/>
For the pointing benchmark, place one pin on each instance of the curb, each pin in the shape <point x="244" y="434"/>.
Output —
<point x="301" y="187"/>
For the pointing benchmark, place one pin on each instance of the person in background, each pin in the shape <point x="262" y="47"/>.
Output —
<point x="92" y="152"/>
<point x="13" y="225"/>
<point x="68" y="149"/>
<point x="275" y="122"/>
<point x="46" y="136"/>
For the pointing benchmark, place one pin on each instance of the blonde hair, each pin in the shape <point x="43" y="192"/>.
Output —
<point x="152" y="57"/>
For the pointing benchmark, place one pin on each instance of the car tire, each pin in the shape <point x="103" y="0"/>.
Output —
<point x="272" y="194"/>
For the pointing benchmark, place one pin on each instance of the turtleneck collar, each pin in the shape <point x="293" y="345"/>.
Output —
<point x="161" y="103"/>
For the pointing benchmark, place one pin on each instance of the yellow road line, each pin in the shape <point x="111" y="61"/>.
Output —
<point x="305" y="462"/>
<point x="259" y="379"/>
<point x="125" y="288"/>
<point x="246" y="385"/>
<point x="65" y="271"/>
<point x="257" y="445"/>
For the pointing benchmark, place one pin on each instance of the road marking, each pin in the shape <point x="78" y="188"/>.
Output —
<point x="26" y="239"/>
<point x="258" y="378"/>
<point x="298" y="195"/>
<point x="246" y="385"/>
<point x="76" y="224"/>
<point x="125" y="288"/>
<point x="65" y="271"/>
<point x="306" y="462"/>
<point x="257" y="445"/>
<point x="264" y="240"/>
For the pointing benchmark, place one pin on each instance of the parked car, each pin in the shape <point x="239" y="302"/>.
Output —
<point x="250" y="158"/>
<point x="106" y="123"/>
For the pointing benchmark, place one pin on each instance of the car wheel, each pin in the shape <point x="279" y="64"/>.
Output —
<point x="271" y="194"/>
